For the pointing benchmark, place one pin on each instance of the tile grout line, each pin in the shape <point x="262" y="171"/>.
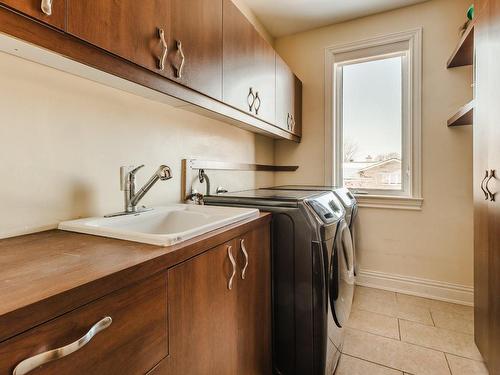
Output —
<point x="374" y="363"/>
<point x="432" y="318"/>
<point x="399" y="330"/>
<point x="448" y="363"/>
<point x="412" y="344"/>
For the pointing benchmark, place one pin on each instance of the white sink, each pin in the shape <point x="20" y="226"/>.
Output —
<point x="162" y="226"/>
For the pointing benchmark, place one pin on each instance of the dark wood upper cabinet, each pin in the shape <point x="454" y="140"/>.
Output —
<point x="51" y="12"/>
<point x="197" y="35"/>
<point x="127" y="28"/>
<point x="288" y="98"/>
<point x="202" y="318"/>
<point x="213" y="57"/>
<point x="249" y="66"/>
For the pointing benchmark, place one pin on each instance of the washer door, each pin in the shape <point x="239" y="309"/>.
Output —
<point x="341" y="275"/>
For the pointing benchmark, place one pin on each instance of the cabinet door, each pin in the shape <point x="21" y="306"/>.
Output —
<point x="480" y="138"/>
<point x="249" y="63"/>
<point x="254" y="302"/>
<point x="197" y="34"/>
<point x="127" y="28"/>
<point x="51" y="12"/>
<point x="202" y="315"/>
<point x="288" y="98"/>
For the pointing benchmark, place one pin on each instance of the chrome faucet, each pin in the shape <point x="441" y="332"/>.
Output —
<point x="127" y="185"/>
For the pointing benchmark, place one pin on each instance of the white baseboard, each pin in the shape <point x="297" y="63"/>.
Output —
<point x="439" y="290"/>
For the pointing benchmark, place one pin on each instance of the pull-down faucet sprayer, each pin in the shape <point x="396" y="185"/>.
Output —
<point x="127" y="185"/>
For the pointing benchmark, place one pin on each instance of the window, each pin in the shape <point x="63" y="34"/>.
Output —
<point x="373" y="119"/>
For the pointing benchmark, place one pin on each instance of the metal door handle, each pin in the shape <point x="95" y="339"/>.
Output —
<point x="233" y="263"/>
<point x="46" y="6"/>
<point x="36" y="361"/>
<point x="482" y="185"/>
<point x="161" y="59"/>
<point x="257" y="103"/>
<point x="491" y="195"/>
<point x="178" y="71"/>
<point x="288" y="119"/>
<point x="250" y="100"/>
<point x="244" y="250"/>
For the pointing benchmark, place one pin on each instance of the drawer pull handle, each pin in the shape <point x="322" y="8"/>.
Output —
<point x="251" y="100"/>
<point x="244" y="250"/>
<point x="161" y="59"/>
<point x="257" y="103"/>
<point x="47" y="7"/>
<point x="183" y="59"/>
<point x="36" y="361"/>
<point x="233" y="263"/>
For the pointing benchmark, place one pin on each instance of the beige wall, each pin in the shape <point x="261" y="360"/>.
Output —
<point x="435" y="243"/>
<point x="63" y="139"/>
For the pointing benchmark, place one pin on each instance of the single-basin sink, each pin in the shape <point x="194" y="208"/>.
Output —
<point x="162" y="226"/>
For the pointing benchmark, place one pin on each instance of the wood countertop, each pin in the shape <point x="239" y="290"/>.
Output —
<point x="47" y="274"/>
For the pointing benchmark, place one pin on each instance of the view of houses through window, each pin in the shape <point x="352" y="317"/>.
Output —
<point x="372" y="124"/>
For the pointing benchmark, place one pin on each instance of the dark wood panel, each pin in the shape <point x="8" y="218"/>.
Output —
<point x="197" y="25"/>
<point x="249" y="62"/>
<point x="47" y="274"/>
<point x="127" y="28"/>
<point x="202" y="315"/>
<point x="298" y="108"/>
<point x="480" y="138"/>
<point x="254" y="303"/>
<point x="33" y="9"/>
<point x="135" y="341"/>
<point x="493" y="94"/>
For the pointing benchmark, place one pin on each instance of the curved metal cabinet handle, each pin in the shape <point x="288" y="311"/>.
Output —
<point x="257" y="103"/>
<point x="491" y="195"/>
<point x="482" y="186"/>
<point x="163" y="56"/>
<point x="288" y="120"/>
<point x="233" y="263"/>
<point x="178" y="71"/>
<point x="46" y="6"/>
<point x="34" y="362"/>
<point x="244" y="250"/>
<point x="250" y="100"/>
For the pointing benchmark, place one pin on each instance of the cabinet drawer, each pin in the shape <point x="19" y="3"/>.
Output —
<point x="134" y="342"/>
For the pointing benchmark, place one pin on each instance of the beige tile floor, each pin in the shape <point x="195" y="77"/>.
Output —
<point x="396" y="334"/>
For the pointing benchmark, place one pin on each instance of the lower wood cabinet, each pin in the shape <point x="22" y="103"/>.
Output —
<point x="134" y="341"/>
<point x="220" y="310"/>
<point x="210" y="314"/>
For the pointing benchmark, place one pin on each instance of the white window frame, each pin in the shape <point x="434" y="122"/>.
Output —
<point x="411" y="195"/>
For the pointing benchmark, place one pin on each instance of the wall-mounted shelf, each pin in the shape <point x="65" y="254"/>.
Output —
<point x="464" y="116"/>
<point x="189" y="166"/>
<point x="463" y="54"/>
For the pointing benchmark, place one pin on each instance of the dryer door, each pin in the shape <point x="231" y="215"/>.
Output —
<point x="341" y="275"/>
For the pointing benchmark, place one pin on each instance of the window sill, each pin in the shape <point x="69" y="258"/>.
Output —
<point x="389" y="202"/>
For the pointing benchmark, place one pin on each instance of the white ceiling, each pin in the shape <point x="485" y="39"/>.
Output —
<point x="284" y="17"/>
